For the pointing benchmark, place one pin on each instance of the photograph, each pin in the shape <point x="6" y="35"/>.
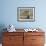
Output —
<point x="26" y="14"/>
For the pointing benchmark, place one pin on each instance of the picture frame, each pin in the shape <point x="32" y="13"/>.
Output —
<point x="26" y="14"/>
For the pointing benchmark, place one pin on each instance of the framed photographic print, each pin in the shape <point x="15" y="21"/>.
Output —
<point x="26" y="14"/>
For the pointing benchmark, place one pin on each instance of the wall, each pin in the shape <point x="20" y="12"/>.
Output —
<point x="9" y="13"/>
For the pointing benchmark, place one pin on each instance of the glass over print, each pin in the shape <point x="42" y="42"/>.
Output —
<point x="26" y="14"/>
